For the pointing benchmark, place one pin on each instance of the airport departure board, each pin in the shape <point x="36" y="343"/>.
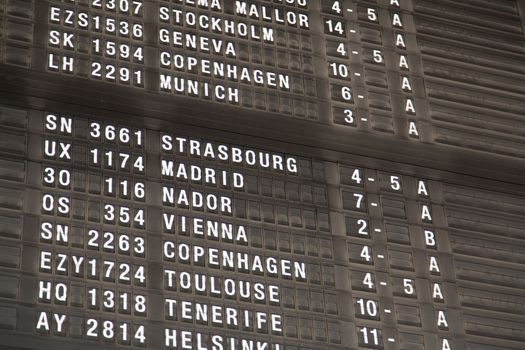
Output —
<point x="262" y="175"/>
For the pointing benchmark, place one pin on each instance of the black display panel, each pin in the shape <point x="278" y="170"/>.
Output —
<point x="276" y="175"/>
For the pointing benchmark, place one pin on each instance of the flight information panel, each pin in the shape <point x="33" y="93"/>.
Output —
<point x="273" y="175"/>
<point x="445" y="74"/>
<point x="116" y="234"/>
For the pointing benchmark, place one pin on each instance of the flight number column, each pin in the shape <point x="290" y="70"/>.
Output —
<point x="97" y="39"/>
<point x="246" y="233"/>
<point x="92" y="241"/>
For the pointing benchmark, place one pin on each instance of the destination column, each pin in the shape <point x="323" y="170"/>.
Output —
<point x="255" y="55"/>
<point x="248" y="258"/>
